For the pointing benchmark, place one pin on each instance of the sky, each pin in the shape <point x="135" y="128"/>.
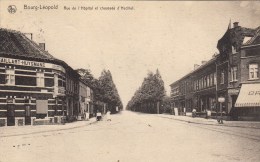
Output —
<point x="169" y="35"/>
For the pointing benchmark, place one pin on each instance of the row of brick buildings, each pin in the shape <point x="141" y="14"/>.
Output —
<point x="37" y="87"/>
<point x="232" y="73"/>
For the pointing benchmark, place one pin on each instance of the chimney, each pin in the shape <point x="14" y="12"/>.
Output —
<point x="196" y="66"/>
<point x="29" y="35"/>
<point x="42" y="46"/>
<point x="203" y="62"/>
<point x="235" y="24"/>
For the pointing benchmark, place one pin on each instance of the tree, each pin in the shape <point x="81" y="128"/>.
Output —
<point x="86" y="75"/>
<point x="110" y="96"/>
<point x="149" y="94"/>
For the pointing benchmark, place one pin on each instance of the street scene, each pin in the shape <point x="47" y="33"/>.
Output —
<point x="129" y="81"/>
<point x="135" y="137"/>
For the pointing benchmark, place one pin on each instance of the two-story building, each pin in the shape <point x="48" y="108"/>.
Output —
<point x="86" y="99"/>
<point x="33" y="84"/>
<point x="196" y="89"/>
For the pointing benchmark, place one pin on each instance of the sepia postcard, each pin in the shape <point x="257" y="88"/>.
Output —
<point x="129" y="81"/>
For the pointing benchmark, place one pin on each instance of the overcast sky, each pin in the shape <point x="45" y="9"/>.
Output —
<point x="170" y="36"/>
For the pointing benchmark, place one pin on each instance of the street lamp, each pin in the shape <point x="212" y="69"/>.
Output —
<point x="221" y="100"/>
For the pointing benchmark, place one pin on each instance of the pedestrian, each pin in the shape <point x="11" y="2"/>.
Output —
<point x="108" y="116"/>
<point x="86" y="115"/>
<point x="194" y="113"/>
<point x="98" y="115"/>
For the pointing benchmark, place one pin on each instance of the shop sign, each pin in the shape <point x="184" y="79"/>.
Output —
<point x="233" y="91"/>
<point x="221" y="99"/>
<point x="31" y="63"/>
<point x="256" y="92"/>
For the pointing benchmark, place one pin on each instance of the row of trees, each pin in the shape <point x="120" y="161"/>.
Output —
<point x="105" y="90"/>
<point x="151" y="96"/>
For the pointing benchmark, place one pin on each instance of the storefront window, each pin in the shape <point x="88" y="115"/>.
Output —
<point x="253" y="71"/>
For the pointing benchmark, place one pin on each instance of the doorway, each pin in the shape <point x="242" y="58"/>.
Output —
<point x="10" y="115"/>
<point x="27" y="113"/>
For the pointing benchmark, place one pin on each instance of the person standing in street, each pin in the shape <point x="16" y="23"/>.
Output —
<point x="108" y="116"/>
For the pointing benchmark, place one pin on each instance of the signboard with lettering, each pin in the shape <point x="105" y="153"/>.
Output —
<point x="233" y="91"/>
<point x="31" y="63"/>
<point x="254" y="92"/>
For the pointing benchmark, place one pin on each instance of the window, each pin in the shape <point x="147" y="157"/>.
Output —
<point x="253" y="71"/>
<point x="24" y="80"/>
<point x="9" y="78"/>
<point x="215" y="79"/>
<point x="211" y="80"/>
<point x="233" y="50"/>
<point x="40" y="79"/>
<point x="205" y="82"/>
<point x="208" y="81"/>
<point x="49" y="82"/>
<point x="222" y="75"/>
<point x="2" y="78"/>
<point x="199" y="83"/>
<point x="234" y="73"/>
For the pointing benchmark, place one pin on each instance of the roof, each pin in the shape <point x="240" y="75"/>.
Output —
<point x="255" y="39"/>
<point x="16" y="43"/>
<point x="199" y="68"/>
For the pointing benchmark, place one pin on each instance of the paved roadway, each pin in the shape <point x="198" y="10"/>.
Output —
<point x="135" y="137"/>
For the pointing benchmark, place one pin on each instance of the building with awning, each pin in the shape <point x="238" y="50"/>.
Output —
<point x="249" y="96"/>
<point x="232" y="74"/>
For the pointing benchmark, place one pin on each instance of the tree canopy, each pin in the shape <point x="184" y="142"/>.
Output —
<point x="151" y="91"/>
<point x="104" y="88"/>
<point x="111" y="96"/>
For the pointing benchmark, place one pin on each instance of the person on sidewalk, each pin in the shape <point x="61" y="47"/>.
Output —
<point x="108" y="116"/>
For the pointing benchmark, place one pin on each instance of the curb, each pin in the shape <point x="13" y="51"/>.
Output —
<point x="215" y="124"/>
<point x="46" y="131"/>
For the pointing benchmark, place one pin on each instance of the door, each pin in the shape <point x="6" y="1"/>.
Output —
<point x="27" y="115"/>
<point x="10" y="115"/>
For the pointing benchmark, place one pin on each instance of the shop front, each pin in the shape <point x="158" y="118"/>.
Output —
<point x="248" y="102"/>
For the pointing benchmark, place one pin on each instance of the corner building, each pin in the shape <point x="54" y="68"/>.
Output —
<point x="33" y="84"/>
<point x="232" y="74"/>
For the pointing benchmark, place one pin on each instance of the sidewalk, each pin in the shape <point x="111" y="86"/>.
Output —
<point x="197" y="120"/>
<point x="9" y="131"/>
